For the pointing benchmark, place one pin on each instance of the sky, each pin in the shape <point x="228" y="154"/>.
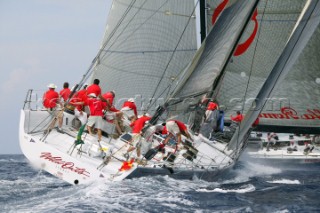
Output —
<point x="42" y="42"/>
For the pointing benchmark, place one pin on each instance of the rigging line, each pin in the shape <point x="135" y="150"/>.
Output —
<point x="117" y="26"/>
<point x="168" y="87"/>
<point x="131" y="72"/>
<point x="149" y="51"/>
<point x="294" y="45"/>
<point x="90" y="69"/>
<point x="151" y="10"/>
<point x="251" y="69"/>
<point x="253" y="59"/>
<point x="146" y="20"/>
<point x="142" y="24"/>
<point x="167" y="66"/>
<point x="216" y="85"/>
<point x="125" y="27"/>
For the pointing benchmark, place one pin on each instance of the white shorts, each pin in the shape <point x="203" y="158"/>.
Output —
<point x="136" y="140"/>
<point x="97" y="120"/>
<point x="129" y="113"/>
<point x="172" y="127"/>
<point x="83" y="118"/>
<point x="110" y="116"/>
<point x="55" y="112"/>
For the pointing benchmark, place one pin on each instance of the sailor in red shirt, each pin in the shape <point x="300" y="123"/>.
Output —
<point x="129" y="109"/>
<point x="50" y="97"/>
<point x="109" y="96"/>
<point x="238" y="118"/>
<point x="175" y="128"/>
<point x="112" y="114"/>
<point x="96" y="114"/>
<point x="94" y="88"/>
<point x="65" y="92"/>
<point x="212" y="106"/>
<point x="137" y="127"/>
<point x="52" y="104"/>
<point x="80" y="96"/>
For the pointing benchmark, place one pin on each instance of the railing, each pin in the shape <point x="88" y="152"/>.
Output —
<point x="33" y="101"/>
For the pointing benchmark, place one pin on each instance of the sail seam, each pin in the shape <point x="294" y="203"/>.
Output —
<point x="166" y="68"/>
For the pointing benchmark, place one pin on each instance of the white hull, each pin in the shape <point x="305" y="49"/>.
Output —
<point x="53" y="154"/>
<point x="283" y="151"/>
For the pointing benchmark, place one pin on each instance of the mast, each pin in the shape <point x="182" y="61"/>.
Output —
<point x="203" y="21"/>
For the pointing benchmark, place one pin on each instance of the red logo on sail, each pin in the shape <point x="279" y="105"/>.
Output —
<point x="64" y="164"/>
<point x="241" y="48"/>
<point x="289" y="113"/>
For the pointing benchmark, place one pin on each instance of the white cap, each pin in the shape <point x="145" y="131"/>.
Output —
<point x="131" y="100"/>
<point x="53" y="86"/>
<point x="92" y="95"/>
<point x="147" y="114"/>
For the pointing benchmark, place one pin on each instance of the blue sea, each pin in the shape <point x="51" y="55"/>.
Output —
<point x="249" y="187"/>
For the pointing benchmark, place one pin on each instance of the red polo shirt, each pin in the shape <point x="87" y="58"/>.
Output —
<point x="237" y="118"/>
<point x="131" y="105"/>
<point x="65" y="93"/>
<point x="50" y="98"/>
<point x="96" y="106"/>
<point x="181" y="125"/>
<point x="212" y="106"/>
<point x="139" y="124"/>
<point x="80" y="96"/>
<point x="109" y="96"/>
<point x="94" y="88"/>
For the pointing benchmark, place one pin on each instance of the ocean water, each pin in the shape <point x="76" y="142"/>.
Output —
<point x="249" y="187"/>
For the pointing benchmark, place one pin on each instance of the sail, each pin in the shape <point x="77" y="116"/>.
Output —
<point x="216" y="49"/>
<point x="145" y="47"/>
<point x="295" y="103"/>
<point x="305" y="35"/>
<point x="256" y="54"/>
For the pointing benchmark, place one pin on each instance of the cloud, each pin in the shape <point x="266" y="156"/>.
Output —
<point x="19" y="76"/>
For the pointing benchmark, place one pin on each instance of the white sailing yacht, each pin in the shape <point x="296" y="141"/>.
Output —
<point x="149" y="52"/>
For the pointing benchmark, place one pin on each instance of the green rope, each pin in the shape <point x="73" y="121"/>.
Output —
<point x="78" y="138"/>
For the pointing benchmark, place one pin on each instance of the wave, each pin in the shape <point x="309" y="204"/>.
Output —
<point x="244" y="189"/>
<point x="12" y="160"/>
<point x="249" y="170"/>
<point x="285" y="181"/>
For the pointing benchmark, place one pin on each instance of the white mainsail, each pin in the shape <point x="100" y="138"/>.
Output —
<point x="146" y="45"/>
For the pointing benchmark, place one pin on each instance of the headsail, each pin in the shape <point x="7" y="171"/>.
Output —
<point x="295" y="104"/>
<point x="214" y="53"/>
<point x="131" y="61"/>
